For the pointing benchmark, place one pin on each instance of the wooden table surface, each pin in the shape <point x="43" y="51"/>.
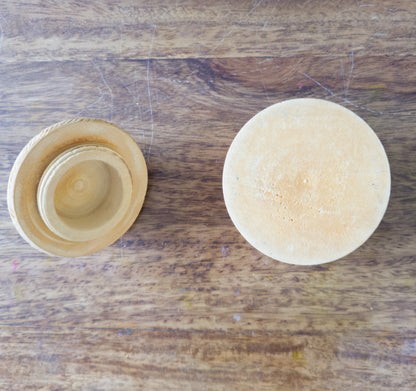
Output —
<point x="182" y="301"/>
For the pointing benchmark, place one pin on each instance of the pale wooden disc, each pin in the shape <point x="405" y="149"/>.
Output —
<point x="306" y="181"/>
<point x="40" y="154"/>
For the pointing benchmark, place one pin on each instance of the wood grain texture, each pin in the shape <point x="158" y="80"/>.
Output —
<point x="68" y="30"/>
<point x="182" y="301"/>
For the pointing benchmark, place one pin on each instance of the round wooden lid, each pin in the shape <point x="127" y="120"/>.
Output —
<point x="76" y="187"/>
<point x="306" y="181"/>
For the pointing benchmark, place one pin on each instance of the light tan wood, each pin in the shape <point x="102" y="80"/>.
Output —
<point x="84" y="192"/>
<point x="77" y="187"/>
<point x="306" y="181"/>
<point x="182" y="301"/>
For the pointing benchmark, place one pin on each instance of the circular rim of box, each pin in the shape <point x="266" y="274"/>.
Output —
<point x="35" y="157"/>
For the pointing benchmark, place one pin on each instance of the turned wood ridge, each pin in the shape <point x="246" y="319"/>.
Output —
<point x="77" y="187"/>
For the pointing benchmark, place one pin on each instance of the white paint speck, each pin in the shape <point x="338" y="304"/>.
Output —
<point x="237" y="317"/>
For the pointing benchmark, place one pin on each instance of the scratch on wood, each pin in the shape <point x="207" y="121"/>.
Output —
<point x="266" y="60"/>
<point x="136" y="99"/>
<point x="342" y="70"/>
<point x="135" y="96"/>
<point x="271" y="15"/>
<point x="148" y="92"/>
<point x="108" y="88"/>
<point x="350" y="74"/>
<point x="319" y="84"/>
<point x="121" y="31"/>
<point x="122" y="244"/>
<point x="121" y="41"/>
<point x="345" y="100"/>
<point x="1" y="35"/>
<point x="91" y="104"/>
<point x="136" y="88"/>
<point x="238" y="23"/>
